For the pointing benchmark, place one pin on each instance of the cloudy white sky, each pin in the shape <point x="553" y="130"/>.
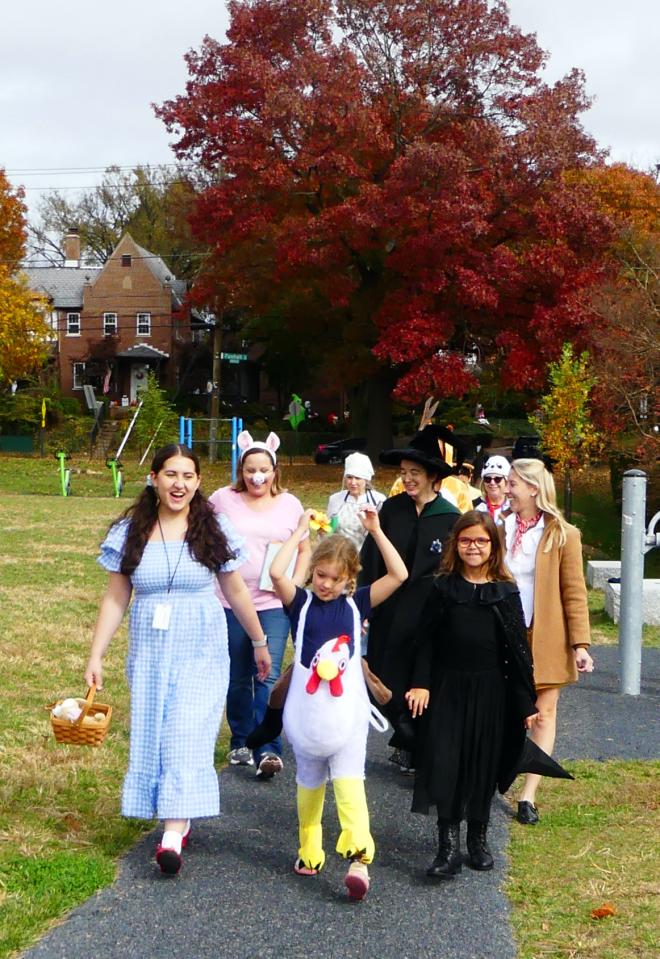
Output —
<point x="77" y="78"/>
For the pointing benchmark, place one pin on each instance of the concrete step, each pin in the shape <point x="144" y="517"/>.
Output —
<point x="650" y="601"/>
<point x="107" y="439"/>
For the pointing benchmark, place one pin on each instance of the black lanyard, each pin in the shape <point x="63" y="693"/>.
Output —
<point x="167" y="558"/>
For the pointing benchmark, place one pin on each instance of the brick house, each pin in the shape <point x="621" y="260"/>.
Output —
<point x="115" y="323"/>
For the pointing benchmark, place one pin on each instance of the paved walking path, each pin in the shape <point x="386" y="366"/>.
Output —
<point x="237" y="896"/>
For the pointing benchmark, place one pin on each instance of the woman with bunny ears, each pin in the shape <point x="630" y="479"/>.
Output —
<point x="265" y="515"/>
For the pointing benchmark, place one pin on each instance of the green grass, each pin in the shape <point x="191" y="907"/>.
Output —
<point x="60" y="829"/>
<point x="606" y="633"/>
<point x="597" y="844"/>
<point x="36" y="889"/>
<point x="600" y="522"/>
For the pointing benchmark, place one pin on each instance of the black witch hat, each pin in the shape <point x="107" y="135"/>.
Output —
<point x="527" y="447"/>
<point x="423" y="449"/>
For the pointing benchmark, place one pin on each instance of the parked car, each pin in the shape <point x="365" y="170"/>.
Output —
<point x="338" y="450"/>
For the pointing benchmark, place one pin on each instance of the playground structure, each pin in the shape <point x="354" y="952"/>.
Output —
<point x="213" y="441"/>
<point x="115" y="467"/>
<point x="65" y="472"/>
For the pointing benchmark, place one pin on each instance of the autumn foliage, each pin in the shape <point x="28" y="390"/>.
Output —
<point x="12" y="225"/>
<point x="564" y="418"/>
<point x="624" y="335"/>
<point x="22" y="328"/>
<point x="389" y="181"/>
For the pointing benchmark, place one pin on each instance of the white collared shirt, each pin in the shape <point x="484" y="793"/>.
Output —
<point x="497" y="515"/>
<point x="523" y="564"/>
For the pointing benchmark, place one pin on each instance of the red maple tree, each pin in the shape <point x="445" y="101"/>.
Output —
<point x="388" y="181"/>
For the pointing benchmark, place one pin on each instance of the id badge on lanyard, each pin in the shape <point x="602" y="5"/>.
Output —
<point x="162" y="614"/>
<point x="163" y="611"/>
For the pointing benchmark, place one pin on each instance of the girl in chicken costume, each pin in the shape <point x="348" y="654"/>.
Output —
<point x="327" y="711"/>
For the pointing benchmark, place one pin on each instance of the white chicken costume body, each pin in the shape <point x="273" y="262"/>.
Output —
<point x="326" y="720"/>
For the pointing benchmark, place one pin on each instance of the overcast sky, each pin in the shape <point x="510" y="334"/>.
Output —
<point x="77" y="79"/>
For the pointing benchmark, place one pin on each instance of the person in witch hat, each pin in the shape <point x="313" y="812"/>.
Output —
<point x="417" y="521"/>
<point x="452" y="451"/>
<point x="472" y="693"/>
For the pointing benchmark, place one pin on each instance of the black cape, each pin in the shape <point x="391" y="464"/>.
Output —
<point x="419" y="540"/>
<point x="504" y="597"/>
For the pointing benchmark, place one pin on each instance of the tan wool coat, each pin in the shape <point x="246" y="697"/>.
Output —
<point x="561" y="614"/>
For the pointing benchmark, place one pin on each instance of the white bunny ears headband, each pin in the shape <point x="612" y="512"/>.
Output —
<point x="246" y="445"/>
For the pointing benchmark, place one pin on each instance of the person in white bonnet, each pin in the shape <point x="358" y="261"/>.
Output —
<point x="343" y="506"/>
<point x="494" y="488"/>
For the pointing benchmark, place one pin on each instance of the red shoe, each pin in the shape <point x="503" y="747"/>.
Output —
<point x="357" y="881"/>
<point x="169" y="860"/>
<point x="186" y="836"/>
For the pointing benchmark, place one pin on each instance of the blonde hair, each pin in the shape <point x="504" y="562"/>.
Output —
<point x="533" y="471"/>
<point x="340" y="550"/>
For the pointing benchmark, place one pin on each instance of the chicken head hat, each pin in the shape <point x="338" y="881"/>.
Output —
<point x="247" y="445"/>
<point x="359" y="465"/>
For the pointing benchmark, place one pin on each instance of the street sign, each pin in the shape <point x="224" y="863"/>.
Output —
<point x="233" y="357"/>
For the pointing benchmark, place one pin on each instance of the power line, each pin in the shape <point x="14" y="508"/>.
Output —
<point x="23" y="265"/>
<point x="91" y="186"/>
<point x="108" y="168"/>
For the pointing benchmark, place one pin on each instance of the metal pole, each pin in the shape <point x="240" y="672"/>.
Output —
<point x="128" y="431"/>
<point x="189" y="427"/>
<point x="215" y="395"/>
<point x="234" y="456"/>
<point x="633" y="535"/>
<point x="151" y="441"/>
<point x="182" y="436"/>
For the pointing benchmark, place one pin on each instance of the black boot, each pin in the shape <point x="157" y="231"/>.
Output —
<point x="479" y="854"/>
<point x="448" y="861"/>
<point x="268" y="729"/>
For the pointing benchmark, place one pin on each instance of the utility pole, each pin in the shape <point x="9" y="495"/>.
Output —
<point x="215" y="395"/>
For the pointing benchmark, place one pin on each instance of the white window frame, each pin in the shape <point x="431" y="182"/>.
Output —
<point x="143" y="318"/>
<point x="69" y="324"/>
<point x="107" y="319"/>
<point x="78" y="376"/>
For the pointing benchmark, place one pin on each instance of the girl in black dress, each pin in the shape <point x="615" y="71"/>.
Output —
<point x="472" y="689"/>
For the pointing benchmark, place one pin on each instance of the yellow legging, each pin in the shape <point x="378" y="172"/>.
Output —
<point x="355" y="839"/>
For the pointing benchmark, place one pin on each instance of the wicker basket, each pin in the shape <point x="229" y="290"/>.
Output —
<point x="89" y="729"/>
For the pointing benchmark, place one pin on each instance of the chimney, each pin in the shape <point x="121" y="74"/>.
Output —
<point x="72" y="249"/>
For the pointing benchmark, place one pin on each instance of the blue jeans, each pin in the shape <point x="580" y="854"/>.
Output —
<point x="248" y="696"/>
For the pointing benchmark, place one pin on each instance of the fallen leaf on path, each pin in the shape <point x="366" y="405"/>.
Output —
<point x="607" y="909"/>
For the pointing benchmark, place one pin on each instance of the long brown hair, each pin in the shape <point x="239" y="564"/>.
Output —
<point x="206" y="540"/>
<point x="495" y="567"/>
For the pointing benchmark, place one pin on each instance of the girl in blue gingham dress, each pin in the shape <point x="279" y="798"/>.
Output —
<point x="178" y="661"/>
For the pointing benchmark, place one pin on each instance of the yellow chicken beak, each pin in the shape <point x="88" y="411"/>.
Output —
<point x="327" y="669"/>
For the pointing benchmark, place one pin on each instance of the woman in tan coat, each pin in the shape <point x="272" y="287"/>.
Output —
<point x="544" y="553"/>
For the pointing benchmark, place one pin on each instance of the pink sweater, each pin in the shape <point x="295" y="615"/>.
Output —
<point x="259" y="527"/>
